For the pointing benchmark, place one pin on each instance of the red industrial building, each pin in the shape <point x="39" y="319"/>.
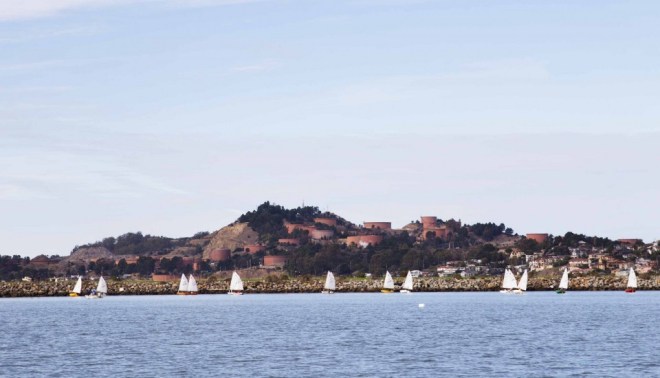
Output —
<point x="364" y="240"/>
<point x="254" y="248"/>
<point x="332" y="222"/>
<point x="539" y="238"/>
<point x="274" y="261"/>
<point x="222" y="254"/>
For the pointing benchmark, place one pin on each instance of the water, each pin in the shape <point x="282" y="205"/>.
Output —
<point x="600" y="334"/>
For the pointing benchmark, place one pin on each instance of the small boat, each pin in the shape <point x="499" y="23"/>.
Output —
<point x="522" y="285"/>
<point x="187" y="286"/>
<point x="329" y="286"/>
<point x="388" y="284"/>
<point x="631" y="287"/>
<point x="407" y="286"/>
<point x="77" y="289"/>
<point x="563" y="284"/>
<point x="508" y="282"/>
<point x="236" y="285"/>
<point x="100" y="292"/>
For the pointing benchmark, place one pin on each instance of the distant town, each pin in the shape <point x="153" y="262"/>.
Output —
<point x="305" y="241"/>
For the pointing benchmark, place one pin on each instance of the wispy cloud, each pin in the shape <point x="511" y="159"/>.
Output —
<point x="15" y="10"/>
<point x="43" y="33"/>
<point x="54" y="63"/>
<point x="37" y="89"/>
<point x="11" y="10"/>
<point x="51" y="165"/>
<point x="266" y="65"/>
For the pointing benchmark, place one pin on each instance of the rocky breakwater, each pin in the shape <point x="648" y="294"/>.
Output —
<point x="285" y="284"/>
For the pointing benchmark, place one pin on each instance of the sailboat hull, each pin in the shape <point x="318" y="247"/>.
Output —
<point x="328" y="292"/>
<point x="186" y="293"/>
<point x="73" y="294"/>
<point x="94" y="296"/>
<point x="630" y="290"/>
<point x="386" y="291"/>
<point x="518" y="291"/>
<point x="235" y="293"/>
<point x="404" y="291"/>
<point x="561" y="291"/>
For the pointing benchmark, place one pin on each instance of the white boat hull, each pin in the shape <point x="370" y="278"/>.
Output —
<point x="404" y="291"/>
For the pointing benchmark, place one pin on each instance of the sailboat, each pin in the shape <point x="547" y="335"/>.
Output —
<point x="100" y="292"/>
<point x="329" y="286"/>
<point x="407" y="286"/>
<point x="236" y="285"/>
<point x="76" y="289"/>
<point x="563" y="284"/>
<point x="522" y="284"/>
<point x="187" y="286"/>
<point x="509" y="282"/>
<point x="388" y="284"/>
<point x="631" y="287"/>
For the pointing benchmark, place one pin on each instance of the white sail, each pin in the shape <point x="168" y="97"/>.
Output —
<point x="192" y="284"/>
<point x="514" y="282"/>
<point x="563" y="284"/>
<point x="389" y="282"/>
<point x="632" y="279"/>
<point x="509" y="281"/>
<point x="183" y="285"/>
<point x="102" y="287"/>
<point x="522" y="285"/>
<point x="505" y="279"/>
<point x="408" y="283"/>
<point x="329" y="282"/>
<point x="78" y="288"/>
<point x="236" y="283"/>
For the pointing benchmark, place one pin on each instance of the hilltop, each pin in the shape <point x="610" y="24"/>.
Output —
<point x="305" y="240"/>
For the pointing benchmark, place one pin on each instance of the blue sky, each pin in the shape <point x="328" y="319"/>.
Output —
<point x="172" y="117"/>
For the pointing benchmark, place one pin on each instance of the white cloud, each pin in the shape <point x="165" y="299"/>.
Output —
<point x="27" y="9"/>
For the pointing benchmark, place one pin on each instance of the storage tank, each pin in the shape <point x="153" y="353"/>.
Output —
<point x="429" y="221"/>
<point x="254" y="248"/>
<point x="378" y="225"/>
<point x="321" y="234"/>
<point x="327" y="221"/>
<point x="222" y="254"/>
<point x="539" y="238"/>
<point x="274" y="261"/>
<point x="364" y="240"/>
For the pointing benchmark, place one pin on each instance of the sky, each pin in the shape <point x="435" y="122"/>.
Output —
<point x="171" y="117"/>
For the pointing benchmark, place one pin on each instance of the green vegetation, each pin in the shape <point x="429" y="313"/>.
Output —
<point x="268" y="219"/>
<point x="461" y="246"/>
<point x="138" y="244"/>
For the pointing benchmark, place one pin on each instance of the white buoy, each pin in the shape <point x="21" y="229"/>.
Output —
<point x="421" y="305"/>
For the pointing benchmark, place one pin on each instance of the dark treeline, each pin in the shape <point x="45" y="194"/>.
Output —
<point x="134" y="243"/>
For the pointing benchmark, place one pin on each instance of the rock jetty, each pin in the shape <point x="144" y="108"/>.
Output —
<point x="285" y="284"/>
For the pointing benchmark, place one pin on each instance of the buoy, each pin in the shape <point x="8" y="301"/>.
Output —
<point x="421" y="305"/>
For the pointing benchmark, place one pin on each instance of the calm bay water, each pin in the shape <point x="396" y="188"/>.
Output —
<point x="457" y="334"/>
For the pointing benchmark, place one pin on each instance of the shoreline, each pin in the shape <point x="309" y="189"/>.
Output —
<point x="19" y="289"/>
